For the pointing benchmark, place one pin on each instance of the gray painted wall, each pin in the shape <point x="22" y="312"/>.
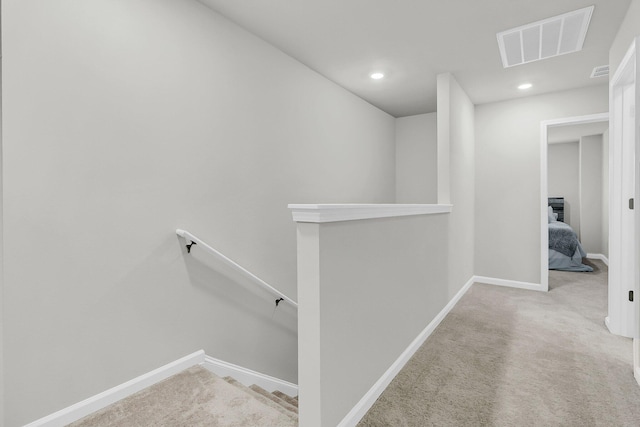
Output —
<point x="507" y="192"/>
<point x="591" y="193"/>
<point x="416" y="159"/>
<point x="575" y="172"/>
<point x="563" y="174"/>
<point x="1" y="248"/>
<point x="456" y="141"/>
<point x="376" y="284"/>
<point x="605" y="194"/>
<point x="629" y="29"/>
<point x="112" y="140"/>
<point x="381" y="282"/>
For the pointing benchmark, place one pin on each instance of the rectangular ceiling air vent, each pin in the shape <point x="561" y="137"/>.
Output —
<point x="550" y="37"/>
<point x="601" y="71"/>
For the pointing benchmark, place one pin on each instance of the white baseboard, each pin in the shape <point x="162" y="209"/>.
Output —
<point x="248" y="377"/>
<point x="361" y="408"/>
<point x="601" y="257"/>
<point x="508" y="283"/>
<point x="106" y="398"/>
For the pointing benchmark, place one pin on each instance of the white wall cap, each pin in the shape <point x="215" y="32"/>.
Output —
<point x="321" y="213"/>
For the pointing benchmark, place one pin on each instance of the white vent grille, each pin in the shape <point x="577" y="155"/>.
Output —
<point x="550" y="37"/>
<point x="601" y="71"/>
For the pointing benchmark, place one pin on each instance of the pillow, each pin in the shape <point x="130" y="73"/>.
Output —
<point x="553" y="217"/>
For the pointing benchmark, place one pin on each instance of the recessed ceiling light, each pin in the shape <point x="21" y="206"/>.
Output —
<point x="377" y="76"/>
<point x="525" y="86"/>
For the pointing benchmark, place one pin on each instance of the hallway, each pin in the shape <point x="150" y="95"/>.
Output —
<point x="506" y="357"/>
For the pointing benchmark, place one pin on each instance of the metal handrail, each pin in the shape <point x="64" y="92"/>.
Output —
<point x="231" y="263"/>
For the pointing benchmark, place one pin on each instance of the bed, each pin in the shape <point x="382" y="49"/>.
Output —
<point x="565" y="250"/>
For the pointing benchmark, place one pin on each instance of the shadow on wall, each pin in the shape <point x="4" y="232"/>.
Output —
<point x="186" y="300"/>
<point x="182" y="299"/>
<point x="237" y="292"/>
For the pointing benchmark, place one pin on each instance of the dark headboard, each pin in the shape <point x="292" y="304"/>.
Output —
<point x="557" y="203"/>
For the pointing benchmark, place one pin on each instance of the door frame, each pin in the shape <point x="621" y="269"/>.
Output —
<point x="544" y="191"/>
<point x="623" y="317"/>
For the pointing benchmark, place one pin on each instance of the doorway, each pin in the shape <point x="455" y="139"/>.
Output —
<point x="563" y="131"/>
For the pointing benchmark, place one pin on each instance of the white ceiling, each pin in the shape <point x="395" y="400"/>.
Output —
<point x="573" y="133"/>
<point x="412" y="41"/>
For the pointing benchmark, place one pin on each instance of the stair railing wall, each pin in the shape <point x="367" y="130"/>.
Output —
<point x="370" y="279"/>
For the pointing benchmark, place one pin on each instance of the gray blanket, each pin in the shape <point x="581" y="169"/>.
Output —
<point x="562" y="238"/>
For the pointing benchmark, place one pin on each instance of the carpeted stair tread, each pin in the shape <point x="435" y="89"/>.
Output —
<point x="196" y="398"/>
<point x="286" y="405"/>
<point x="290" y="400"/>
<point x="261" y="398"/>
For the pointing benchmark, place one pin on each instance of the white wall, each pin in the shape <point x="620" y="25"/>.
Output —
<point x="575" y="173"/>
<point x="416" y="159"/>
<point x="1" y="253"/>
<point x="456" y="172"/>
<point x="507" y="192"/>
<point x="605" y="193"/>
<point x="563" y="174"/>
<point x="629" y="29"/>
<point x="591" y="193"/>
<point x="124" y="120"/>
<point x="370" y="288"/>
<point x="394" y="301"/>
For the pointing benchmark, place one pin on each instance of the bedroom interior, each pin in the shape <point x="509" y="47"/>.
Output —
<point x="577" y="161"/>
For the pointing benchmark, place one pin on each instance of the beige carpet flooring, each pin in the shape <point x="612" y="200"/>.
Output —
<point x="194" y="398"/>
<point x="510" y="357"/>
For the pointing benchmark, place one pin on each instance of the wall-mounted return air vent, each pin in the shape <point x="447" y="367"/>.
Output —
<point x="550" y="37"/>
<point x="601" y="71"/>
